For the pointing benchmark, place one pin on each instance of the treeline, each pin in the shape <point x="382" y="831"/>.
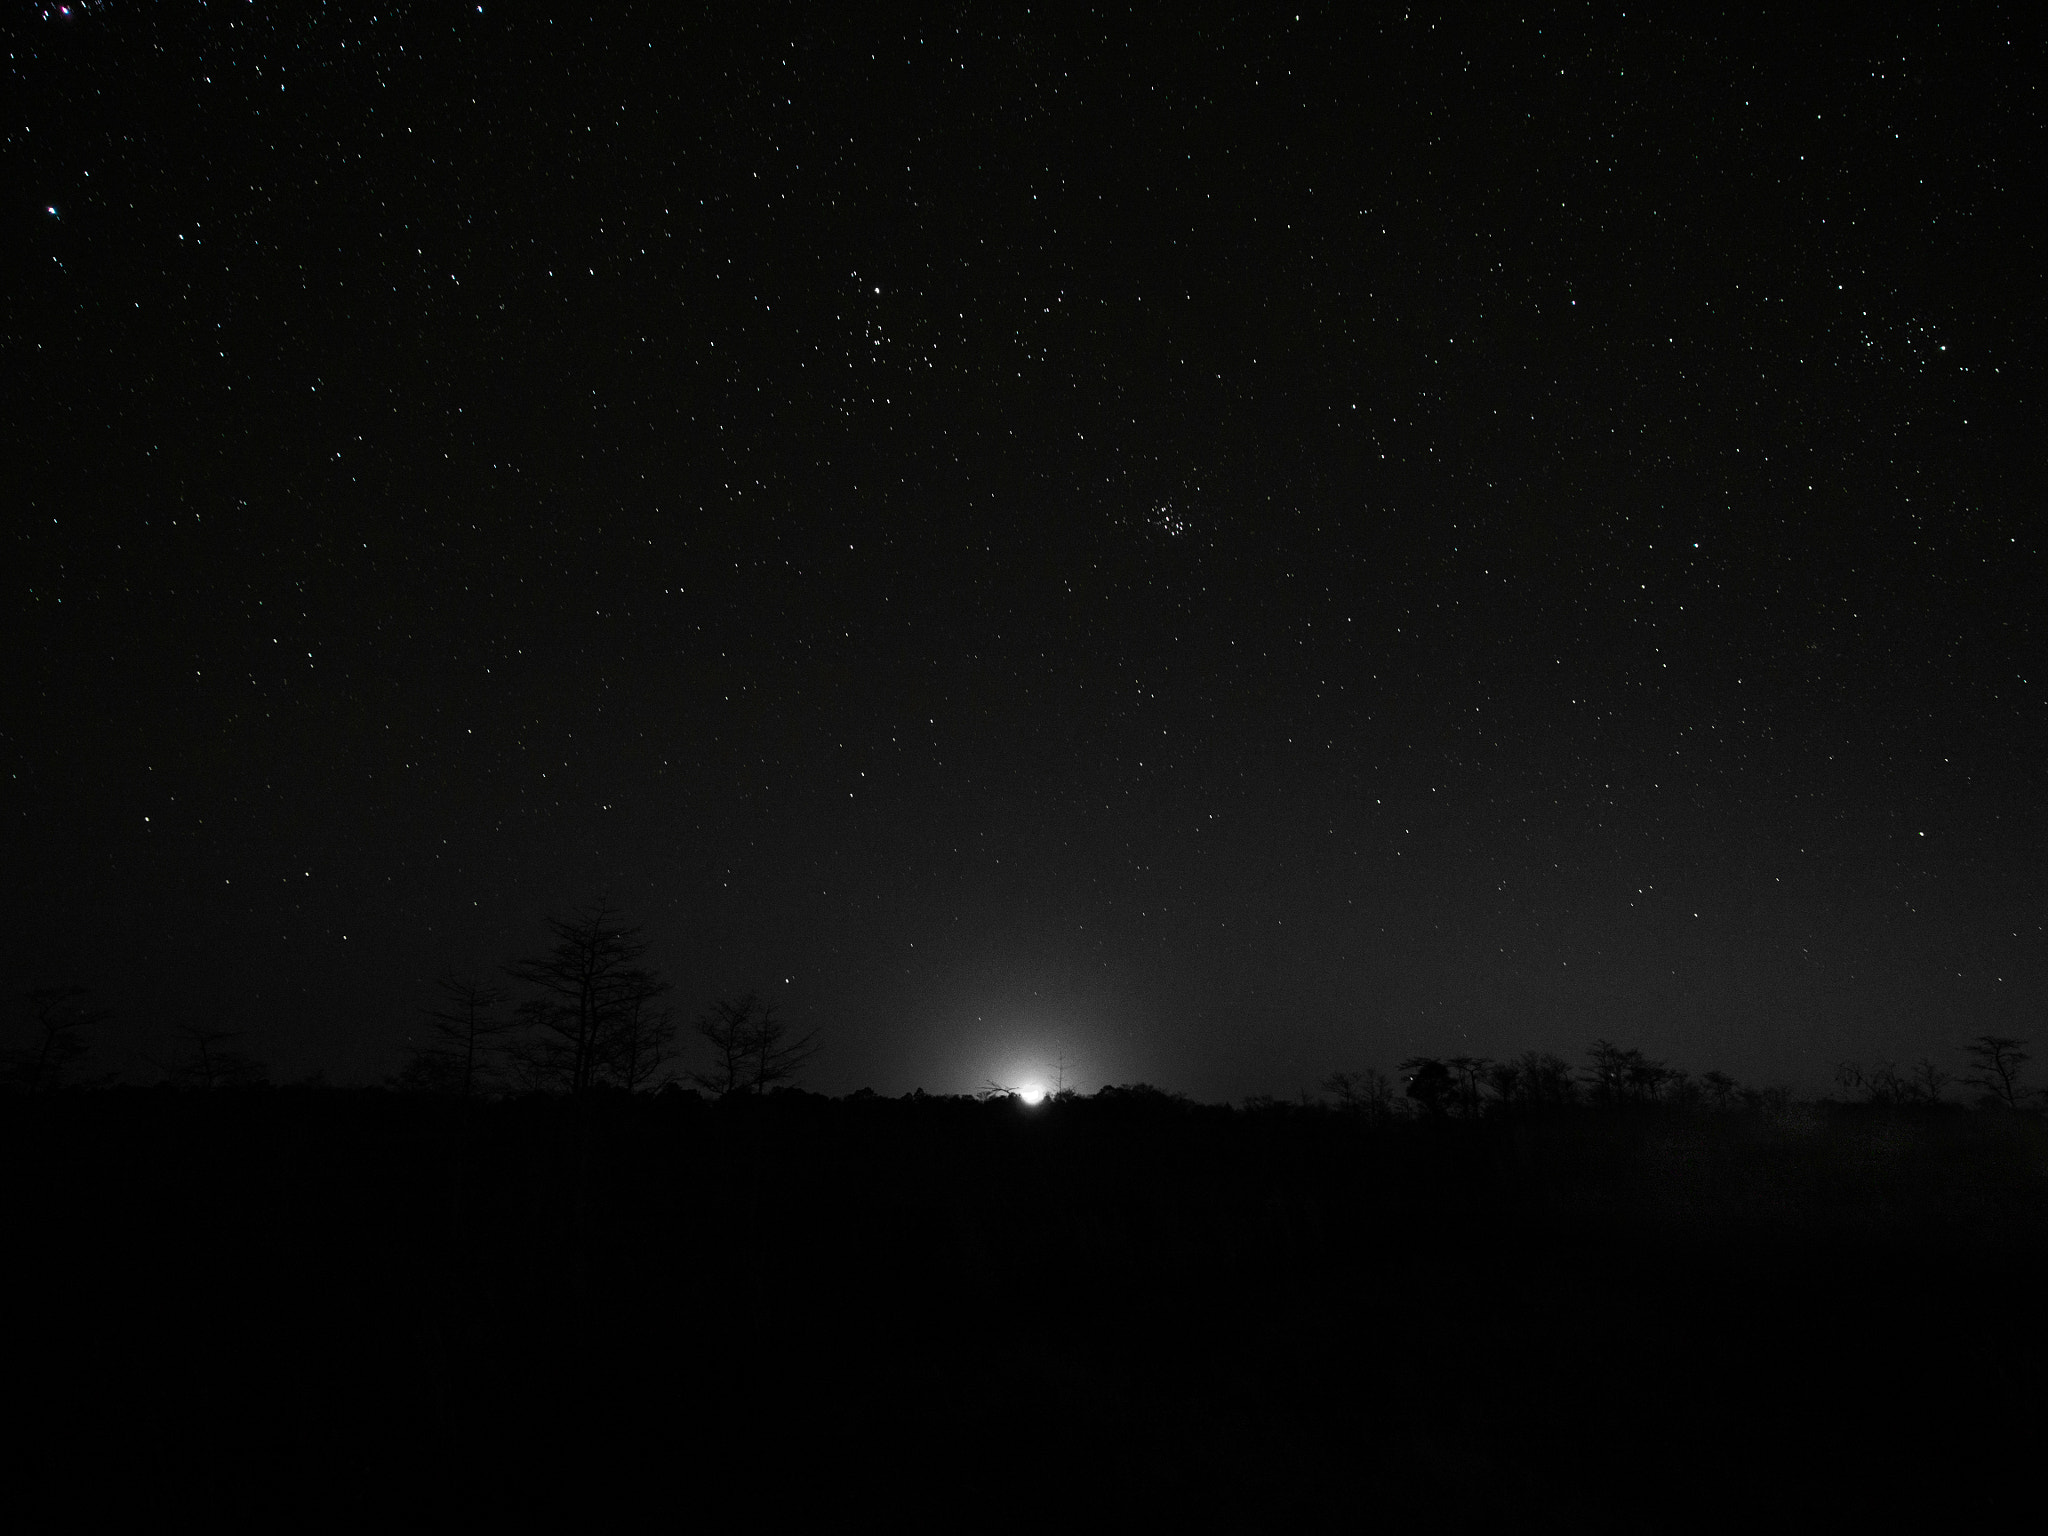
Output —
<point x="585" y="1014"/>
<point x="1614" y="1076"/>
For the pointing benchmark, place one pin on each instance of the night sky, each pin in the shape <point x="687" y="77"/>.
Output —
<point x="1226" y="544"/>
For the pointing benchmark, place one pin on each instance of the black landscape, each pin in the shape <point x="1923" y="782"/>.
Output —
<point x="1479" y="1291"/>
<point x="996" y="763"/>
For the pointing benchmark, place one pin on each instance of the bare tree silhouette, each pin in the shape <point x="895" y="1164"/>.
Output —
<point x="468" y="1034"/>
<point x="1619" y="1076"/>
<point x="1607" y="1078"/>
<point x="1930" y="1081"/>
<point x="1545" y="1081"/>
<point x="1880" y="1083"/>
<point x="593" y="1017"/>
<point x="207" y="1058"/>
<point x="62" y="1022"/>
<point x="1470" y="1072"/>
<point x="751" y="1051"/>
<point x="1883" y="1083"/>
<point x="644" y="1040"/>
<point x="1369" y="1093"/>
<point x="1996" y="1062"/>
<point x="1504" y="1079"/>
<point x="728" y="1029"/>
<point x="1718" y="1090"/>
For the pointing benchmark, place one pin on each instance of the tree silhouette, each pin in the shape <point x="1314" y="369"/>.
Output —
<point x="1718" y="1090"/>
<point x="1880" y="1083"/>
<point x="1470" y="1072"/>
<point x="751" y="1051"/>
<point x="1619" y="1076"/>
<point x="1929" y="1081"/>
<point x="1504" y="1079"/>
<point x="207" y="1059"/>
<point x="467" y="1035"/>
<point x="1545" y="1081"/>
<point x="62" y="1020"/>
<point x="644" y="1042"/>
<point x="1369" y="1093"/>
<point x="1607" y="1078"/>
<point x="1766" y="1101"/>
<point x="1431" y="1084"/>
<point x="1676" y="1087"/>
<point x="1996" y="1061"/>
<point x="593" y="1019"/>
<point x="1883" y="1083"/>
<point x="1143" y="1095"/>
<point x="728" y="1028"/>
<point x="1650" y="1081"/>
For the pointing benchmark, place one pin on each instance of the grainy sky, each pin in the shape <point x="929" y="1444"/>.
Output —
<point x="1224" y="543"/>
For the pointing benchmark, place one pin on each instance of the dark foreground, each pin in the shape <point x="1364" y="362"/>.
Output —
<point x="943" y="1311"/>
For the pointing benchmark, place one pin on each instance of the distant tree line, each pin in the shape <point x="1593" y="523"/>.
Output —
<point x="1614" y="1077"/>
<point x="58" y="1049"/>
<point x="585" y="1014"/>
<point x="590" y="1015"/>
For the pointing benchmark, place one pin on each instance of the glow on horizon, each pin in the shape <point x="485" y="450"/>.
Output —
<point x="1031" y="1093"/>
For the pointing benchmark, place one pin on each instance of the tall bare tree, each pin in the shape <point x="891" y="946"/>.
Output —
<point x="643" y="1041"/>
<point x="467" y="1034"/>
<point x="728" y="1030"/>
<point x="590" y="994"/>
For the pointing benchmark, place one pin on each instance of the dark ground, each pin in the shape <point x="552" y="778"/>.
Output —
<point x="904" y="1310"/>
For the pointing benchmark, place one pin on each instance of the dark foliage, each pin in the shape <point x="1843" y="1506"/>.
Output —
<point x="1431" y="1084"/>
